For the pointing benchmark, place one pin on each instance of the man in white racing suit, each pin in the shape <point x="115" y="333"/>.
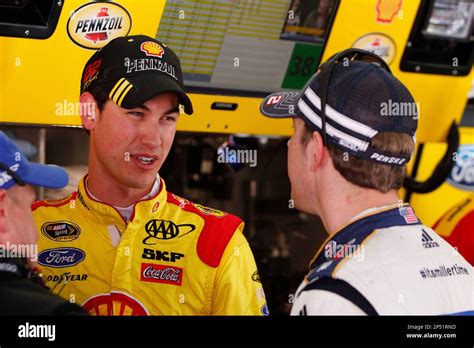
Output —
<point x="346" y="160"/>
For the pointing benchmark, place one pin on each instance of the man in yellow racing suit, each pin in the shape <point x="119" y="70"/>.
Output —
<point x="173" y="257"/>
<point x="121" y="244"/>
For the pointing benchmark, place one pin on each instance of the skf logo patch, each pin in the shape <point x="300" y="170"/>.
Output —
<point x="95" y="24"/>
<point x="152" y="49"/>
<point x="161" y="274"/>
<point x="164" y="229"/>
<point x="388" y="9"/>
<point x="158" y="255"/>
<point x="61" y="231"/>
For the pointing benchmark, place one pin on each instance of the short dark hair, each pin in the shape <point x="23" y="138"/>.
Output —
<point x="100" y="96"/>
<point x="366" y="173"/>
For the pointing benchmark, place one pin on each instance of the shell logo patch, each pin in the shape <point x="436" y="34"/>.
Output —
<point x="388" y="9"/>
<point x="114" y="304"/>
<point x="152" y="49"/>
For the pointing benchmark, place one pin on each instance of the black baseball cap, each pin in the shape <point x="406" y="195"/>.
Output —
<point x="362" y="101"/>
<point x="133" y="69"/>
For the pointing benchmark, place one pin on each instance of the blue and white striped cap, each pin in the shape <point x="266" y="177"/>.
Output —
<point x="363" y="100"/>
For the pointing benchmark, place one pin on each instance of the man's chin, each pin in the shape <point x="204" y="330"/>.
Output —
<point x="299" y="205"/>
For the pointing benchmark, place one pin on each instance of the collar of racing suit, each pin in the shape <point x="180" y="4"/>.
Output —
<point x="345" y="235"/>
<point x="127" y="212"/>
<point x="109" y="215"/>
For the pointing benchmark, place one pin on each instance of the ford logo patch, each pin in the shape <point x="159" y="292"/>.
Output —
<point x="61" y="257"/>
<point x="462" y="174"/>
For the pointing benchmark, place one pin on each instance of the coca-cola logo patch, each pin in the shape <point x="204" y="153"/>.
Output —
<point x="161" y="274"/>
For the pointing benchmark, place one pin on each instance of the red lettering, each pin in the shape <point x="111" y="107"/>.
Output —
<point x="91" y="70"/>
<point x="161" y="274"/>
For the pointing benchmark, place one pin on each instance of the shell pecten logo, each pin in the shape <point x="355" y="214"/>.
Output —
<point x="152" y="49"/>
<point x="388" y="9"/>
<point x="114" y="304"/>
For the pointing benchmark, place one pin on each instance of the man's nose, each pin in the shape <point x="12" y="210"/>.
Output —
<point x="151" y="137"/>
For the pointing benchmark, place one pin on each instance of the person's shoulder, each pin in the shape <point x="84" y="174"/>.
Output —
<point x="210" y="215"/>
<point x="21" y="296"/>
<point x="53" y="203"/>
<point x="455" y="215"/>
<point x="218" y="229"/>
<point x="323" y="302"/>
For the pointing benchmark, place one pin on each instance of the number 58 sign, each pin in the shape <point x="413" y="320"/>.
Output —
<point x="302" y="65"/>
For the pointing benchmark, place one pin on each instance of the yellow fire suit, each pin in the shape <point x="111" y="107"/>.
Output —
<point x="173" y="257"/>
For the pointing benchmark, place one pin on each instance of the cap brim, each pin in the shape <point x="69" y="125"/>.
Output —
<point x="280" y="105"/>
<point x="49" y="176"/>
<point x="150" y="85"/>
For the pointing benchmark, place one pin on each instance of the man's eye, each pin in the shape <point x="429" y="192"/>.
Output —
<point x="169" y="118"/>
<point x="136" y="113"/>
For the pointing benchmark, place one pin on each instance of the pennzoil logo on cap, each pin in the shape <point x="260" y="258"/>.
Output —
<point x="94" y="24"/>
<point x="152" y="49"/>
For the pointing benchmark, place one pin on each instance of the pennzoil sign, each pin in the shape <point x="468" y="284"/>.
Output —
<point x="93" y="25"/>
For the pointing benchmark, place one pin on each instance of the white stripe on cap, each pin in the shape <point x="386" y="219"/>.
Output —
<point x="347" y="140"/>
<point x="339" y="118"/>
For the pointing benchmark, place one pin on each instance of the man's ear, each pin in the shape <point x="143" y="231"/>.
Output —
<point x="318" y="151"/>
<point x="89" y="111"/>
<point x="3" y="198"/>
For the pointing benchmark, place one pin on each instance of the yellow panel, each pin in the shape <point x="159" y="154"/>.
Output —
<point x="246" y="119"/>
<point x="39" y="81"/>
<point x="39" y="77"/>
<point x="429" y="207"/>
<point x="442" y="98"/>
